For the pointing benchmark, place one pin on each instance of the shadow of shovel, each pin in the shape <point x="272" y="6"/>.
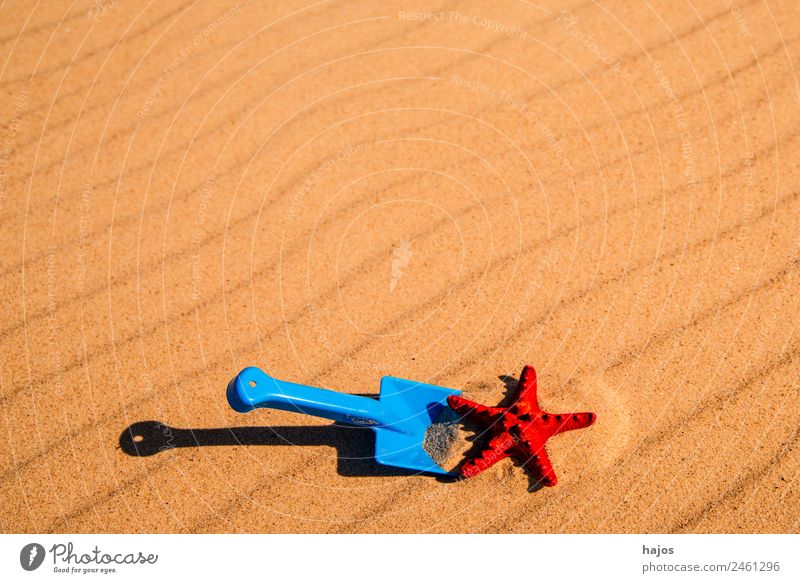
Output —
<point x="355" y="447"/>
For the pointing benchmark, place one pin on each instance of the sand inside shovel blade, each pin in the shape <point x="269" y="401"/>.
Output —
<point x="446" y="440"/>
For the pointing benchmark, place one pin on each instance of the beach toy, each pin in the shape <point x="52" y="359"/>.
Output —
<point x="518" y="431"/>
<point x="400" y="417"/>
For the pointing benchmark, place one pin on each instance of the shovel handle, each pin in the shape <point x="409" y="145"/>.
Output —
<point x="253" y="388"/>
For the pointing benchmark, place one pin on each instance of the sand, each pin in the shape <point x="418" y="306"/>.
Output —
<point x="447" y="440"/>
<point x="440" y="191"/>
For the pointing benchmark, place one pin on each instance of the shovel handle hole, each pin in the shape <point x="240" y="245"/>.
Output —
<point x="252" y="383"/>
<point x="138" y="438"/>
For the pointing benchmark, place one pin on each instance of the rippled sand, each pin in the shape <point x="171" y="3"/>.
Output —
<point x="340" y="191"/>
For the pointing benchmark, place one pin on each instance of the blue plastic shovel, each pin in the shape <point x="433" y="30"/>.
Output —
<point x="400" y="417"/>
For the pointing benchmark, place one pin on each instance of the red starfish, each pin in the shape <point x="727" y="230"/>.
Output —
<point x="519" y="431"/>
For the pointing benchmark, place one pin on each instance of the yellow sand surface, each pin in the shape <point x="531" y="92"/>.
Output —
<point x="440" y="191"/>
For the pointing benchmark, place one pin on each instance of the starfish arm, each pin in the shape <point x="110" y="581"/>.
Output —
<point x="480" y="414"/>
<point x="497" y="450"/>
<point x="526" y="388"/>
<point x="534" y="459"/>
<point x="570" y="421"/>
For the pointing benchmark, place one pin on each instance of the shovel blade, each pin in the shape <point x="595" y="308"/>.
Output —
<point x="411" y="407"/>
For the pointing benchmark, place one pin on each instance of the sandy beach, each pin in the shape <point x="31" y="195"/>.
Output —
<point x="437" y="191"/>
